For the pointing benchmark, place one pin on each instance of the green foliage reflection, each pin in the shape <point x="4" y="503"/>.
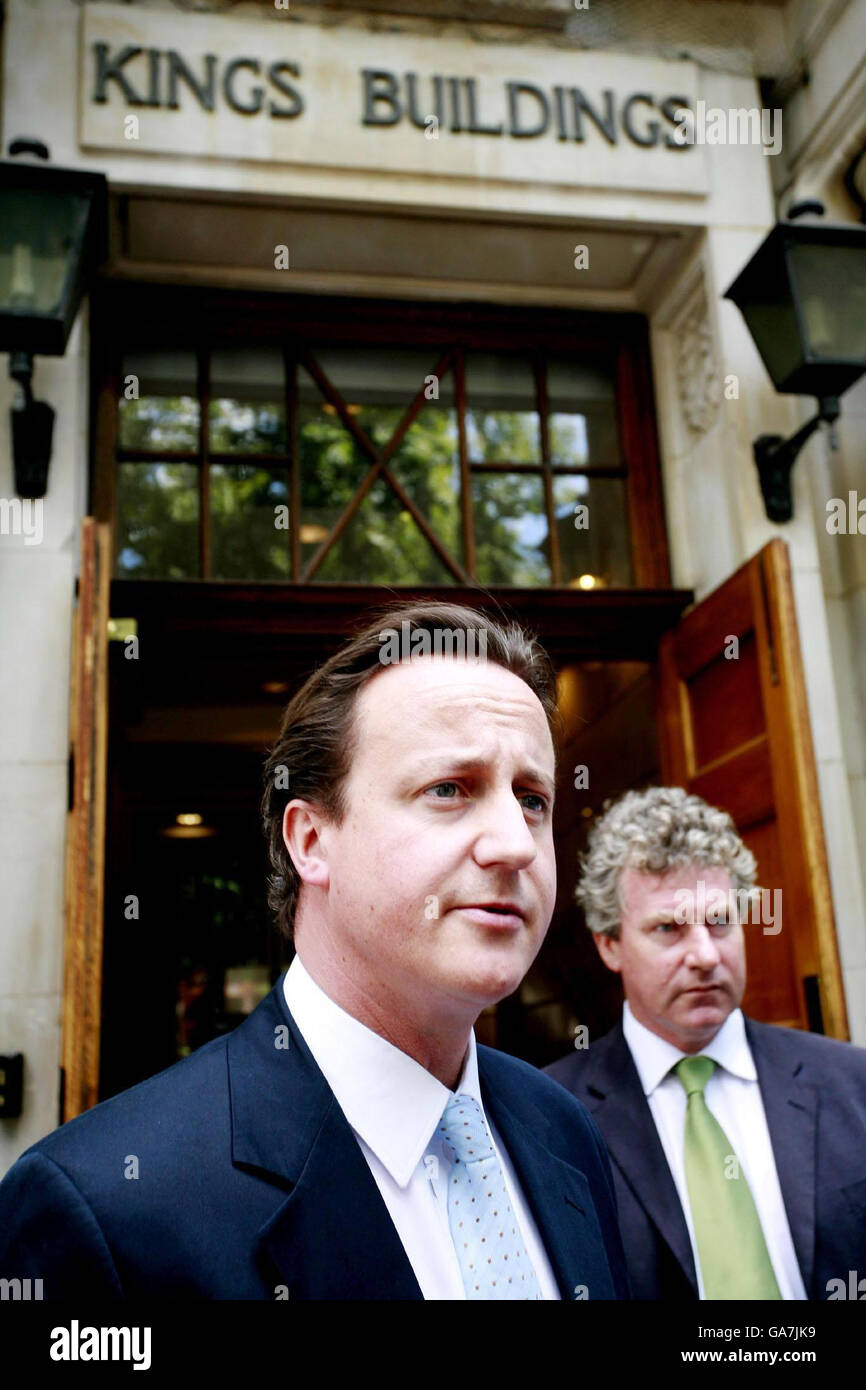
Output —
<point x="158" y="503"/>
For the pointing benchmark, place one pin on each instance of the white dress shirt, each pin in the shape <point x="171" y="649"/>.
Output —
<point x="394" y="1106"/>
<point x="734" y="1097"/>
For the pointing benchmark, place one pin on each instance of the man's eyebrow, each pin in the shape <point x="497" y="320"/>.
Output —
<point x="662" y="914"/>
<point x="467" y="762"/>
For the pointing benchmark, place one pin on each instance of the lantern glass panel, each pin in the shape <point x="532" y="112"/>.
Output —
<point x="830" y="282"/>
<point x="773" y="326"/>
<point x="41" y="232"/>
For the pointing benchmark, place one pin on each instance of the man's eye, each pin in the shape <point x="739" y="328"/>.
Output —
<point x="665" y="927"/>
<point x="541" y="803"/>
<point x="437" y="791"/>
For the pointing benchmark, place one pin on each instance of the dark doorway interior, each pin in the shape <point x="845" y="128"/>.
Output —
<point x="200" y="952"/>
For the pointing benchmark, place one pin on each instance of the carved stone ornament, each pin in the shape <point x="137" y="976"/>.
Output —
<point x="697" y="370"/>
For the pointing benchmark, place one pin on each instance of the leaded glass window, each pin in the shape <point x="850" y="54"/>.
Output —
<point x="370" y="465"/>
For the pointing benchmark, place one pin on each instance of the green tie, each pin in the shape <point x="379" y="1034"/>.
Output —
<point x="731" y="1246"/>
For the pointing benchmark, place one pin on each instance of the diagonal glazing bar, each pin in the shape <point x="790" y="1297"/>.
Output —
<point x="378" y="460"/>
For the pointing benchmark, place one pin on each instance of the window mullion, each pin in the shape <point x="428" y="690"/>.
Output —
<point x="290" y="365"/>
<point x="540" y="371"/>
<point x="203" y="357"/>
<point x="468" y="519"/>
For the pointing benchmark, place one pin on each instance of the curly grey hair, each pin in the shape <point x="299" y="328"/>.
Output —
<point x="654" y="830"/>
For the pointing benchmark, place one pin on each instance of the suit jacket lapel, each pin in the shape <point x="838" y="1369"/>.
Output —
<point x="791" y="1107"/>
<point x="287" y="1125"/>
<point x="557" y="1193"/>
<point x="618" y="1103"/>
<point x="333" y="1238"/>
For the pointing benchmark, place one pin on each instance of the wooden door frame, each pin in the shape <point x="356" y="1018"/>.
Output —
<point x="603" y="625"/>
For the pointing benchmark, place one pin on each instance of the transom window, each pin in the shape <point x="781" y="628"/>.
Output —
<point x="371" y="465"/>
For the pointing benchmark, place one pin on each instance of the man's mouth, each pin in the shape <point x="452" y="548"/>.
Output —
<point x="503" y="915"/>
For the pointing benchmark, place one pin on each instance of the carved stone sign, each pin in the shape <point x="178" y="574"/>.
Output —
<point x="158" y="81"/>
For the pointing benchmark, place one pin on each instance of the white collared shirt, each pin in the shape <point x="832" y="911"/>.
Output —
<point x="734" y="1097"/>
<point x="394" y="1106"/>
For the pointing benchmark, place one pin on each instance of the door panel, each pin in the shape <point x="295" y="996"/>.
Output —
<point x="772" y="982"/>
<point x="734" y="729"/>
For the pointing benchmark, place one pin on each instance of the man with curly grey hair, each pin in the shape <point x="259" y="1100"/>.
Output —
<point x="737" y="1146"/>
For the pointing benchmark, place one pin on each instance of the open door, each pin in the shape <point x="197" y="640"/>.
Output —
<point x="85" y="831"/>
<point x="734" y="729"/>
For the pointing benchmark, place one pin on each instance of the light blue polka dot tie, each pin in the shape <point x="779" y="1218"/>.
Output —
<point x="490" y="1249"/>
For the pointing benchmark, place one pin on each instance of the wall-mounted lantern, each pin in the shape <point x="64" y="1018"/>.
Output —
<point x="53" y="235"/>
<point x="803" y="296"/>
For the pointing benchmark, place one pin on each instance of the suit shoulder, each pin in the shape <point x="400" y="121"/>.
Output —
<point x="567" y="1071"/>
<point x="570" y="1071"/>
<point x="149" y="1111"/>
<point x="503" y="1067"/>
<point x="538" y="1091"/>
<point x="828" y="1054"/>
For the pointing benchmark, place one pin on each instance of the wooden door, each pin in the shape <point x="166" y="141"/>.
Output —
<point x="734" y="729"/>
<point x="85" y="835"/>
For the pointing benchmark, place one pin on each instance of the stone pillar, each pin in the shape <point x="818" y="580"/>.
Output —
<point x="37" y="596"/>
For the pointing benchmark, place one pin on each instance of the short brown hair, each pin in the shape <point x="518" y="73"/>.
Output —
<point x="313" y="753"/>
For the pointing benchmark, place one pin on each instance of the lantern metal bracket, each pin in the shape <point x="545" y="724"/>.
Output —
<point x="32" y="430"/>
<point x="775" y="457"/>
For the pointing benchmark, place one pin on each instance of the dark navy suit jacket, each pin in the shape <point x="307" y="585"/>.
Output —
<point x="814" y="1095"/>
<point x="249" y="1178"/>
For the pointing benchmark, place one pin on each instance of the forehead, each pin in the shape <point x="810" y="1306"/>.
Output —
<point x="446" y="699"/>
<point x="644" y="893"/>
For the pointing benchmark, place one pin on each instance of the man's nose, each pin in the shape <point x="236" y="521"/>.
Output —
<point x="504" y="836"/>
<point x="702" y="950"/>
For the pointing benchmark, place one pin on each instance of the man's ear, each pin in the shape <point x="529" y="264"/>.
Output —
<point x="302" y="835"/>
<point x="608" y="949"/>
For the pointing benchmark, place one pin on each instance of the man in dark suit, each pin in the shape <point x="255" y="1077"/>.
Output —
<point x="349" y="1140"/>
<point x="738" y="1148"/>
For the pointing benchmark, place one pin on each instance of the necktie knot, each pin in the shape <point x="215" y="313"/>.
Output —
<point x="694" y="1073"/>
<point x="463" y="1127"/>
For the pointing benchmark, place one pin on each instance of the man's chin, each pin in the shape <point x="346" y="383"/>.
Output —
<point x="485" y="967"/>
<point x="484" y="985"/>
<point x="702" y="1019"/>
